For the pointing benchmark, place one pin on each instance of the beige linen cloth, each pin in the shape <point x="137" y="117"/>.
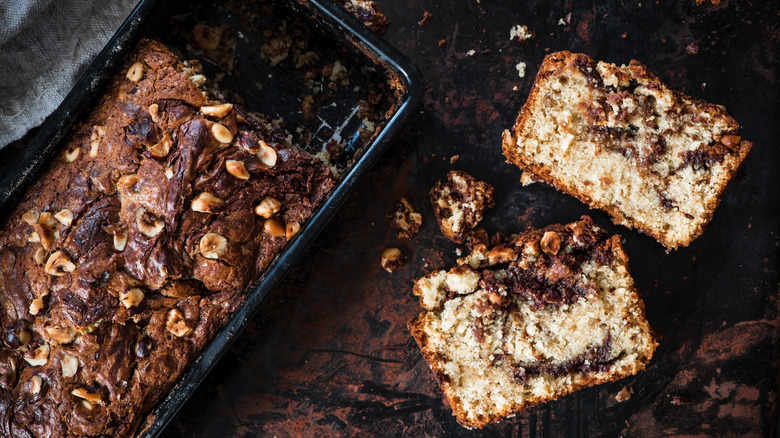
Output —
<point x="45" y="46"/>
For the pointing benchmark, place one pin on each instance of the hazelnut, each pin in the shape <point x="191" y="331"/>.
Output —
<point x="39" y="255"/>
<point x="249" y="142"/>
<point x="33" y="237"/>
<point x="176" y="324"/>
<point x="148" y="224"/>
<point x="237" y="169"/>
<point x="206" y="203"/>
<point x="392" y="259"/>
<point x="120" y="240"/>
<point x="127" y="181"/>
<point x="154" y="111"/>
<point x="221" y="133"/>
<point x="217" y="110"/>
<point x="551" y="243"/>
<point x="61" y="335"/>
<point x="162" y="148"/>
<point x="70" y="365"/>
<point x="291" y="229"/>
<point x="39" y="356"/>
<point x="35" y="384"/>
<point x="135" y="73"/>
<point x="87" y="395"/>
<point x="268" y="207"/>
<point x="45" y="235"/>
<point x="273" y="228"/>
<point x="131" y="297"/>
<point x="169" y="172"/>
<point x="730" y="140"/>
<point x="98" y="132"/>
<point x="267" y="154"/>
<point x="65" y="217"/>
<point x="72" y="154"/>
<point x="501" y="254"/>
<point x="24" y="337"/>
<point x="212" y="245"/>
<point x="58" y="264"/>
<point x="31" y="216"/>
<point x="36" y="305"/>
<point x="47" y="219"/>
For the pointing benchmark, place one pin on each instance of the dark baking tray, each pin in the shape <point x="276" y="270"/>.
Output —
<point x="327" y="20"/>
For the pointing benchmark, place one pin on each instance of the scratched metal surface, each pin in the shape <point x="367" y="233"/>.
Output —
<point x="329" y="354"/>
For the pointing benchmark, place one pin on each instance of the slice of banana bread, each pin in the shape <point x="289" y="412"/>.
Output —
<point x="621" y="141"/>
<point x="542" y="315"/>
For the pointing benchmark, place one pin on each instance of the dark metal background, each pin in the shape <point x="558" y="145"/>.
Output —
<point x="329" y="353"/>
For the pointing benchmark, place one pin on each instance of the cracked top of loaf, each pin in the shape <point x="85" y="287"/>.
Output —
<point x="136" y="244"/>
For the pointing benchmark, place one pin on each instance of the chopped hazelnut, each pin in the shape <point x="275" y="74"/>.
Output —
<point x="98" y="132"/>
<point x="36" y="305"/>
<point x="31" y="216"/>
<point x="70" y="365"/>
<point x="291" y="229"/>
<point x="65" y="217"/>
<point x="87" y="395"/>
<point x="60" y="335"/>
<point x="221" y="133"/>
<point x="392" y="259"/>
<point x="730" y="140"/>
<point x="551" y="243"/>
<point x="273" y="228"/>
<point x="206" y="203"/>
<point x="127" y="181"/>
<point x="45" y="235"/>
<point x="39" y="255"/>
<point x="162" y="147"/>
<point x="72" y="154"/>
<point x="131" y="297"/>
<point x="217" y="110"/>
<point x="135" y="72"/>
<point x="39" y="356"/>
<point x="213" y="245"/>
<point x="46" y="218"/>
<point x="268" y="207"/>
<point x="237" y="169"/>
<point x="58" y="264"/>
<point x="502" y="254"/>
<point x="35" y="384"/>
<point x="33" y="237"/>
<point x="120" y="240"/>
<point x="154" y="111"/>
<point x="169" y="172"/>
<point x="267" y="154"/>
<point x="148" y="224"/>
<point x="176" y="324"/>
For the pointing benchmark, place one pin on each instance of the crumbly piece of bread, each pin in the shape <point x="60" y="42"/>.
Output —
<point x="542" y="315"/>
<point x="406" y="220"/>
<point x="621" y="141"/>
<point x="459" y="204"/>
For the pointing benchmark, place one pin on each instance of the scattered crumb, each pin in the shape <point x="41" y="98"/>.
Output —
<point x="521" y="33"/>
<point x="458" y="252"/>
<point x="459" y="204"/>
<point x="703" y="86"/>
<point x="623" y="395"/>
<point x="521" y="69"/>
<point x="515" y="88"/>
<point x="425" y="19"/>
<point x="405" y="220"/>
<point x="679" y="400"/>
<point x="527" y="178"/>
<point x="693" y="48"/>
<point x="561" y="22"/>
<point x="471" y="52"/>
<point x="624" y="35"/>
<point x="454" y="158"/>
<point x="442" y="43"/>
<point x="392" y="259"/>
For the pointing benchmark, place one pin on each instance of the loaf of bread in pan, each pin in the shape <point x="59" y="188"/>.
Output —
<point x="531" y="319"/>
<point x="621" y="141"/>
<point x="136" y="244"/>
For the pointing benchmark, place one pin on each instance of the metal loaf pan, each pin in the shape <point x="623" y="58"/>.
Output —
<point x="330" y="25"/>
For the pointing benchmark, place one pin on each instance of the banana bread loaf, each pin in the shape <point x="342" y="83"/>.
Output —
<point x="534" y="318"/>
<point x="137" y="243"/>
<point x="621" y="141"/>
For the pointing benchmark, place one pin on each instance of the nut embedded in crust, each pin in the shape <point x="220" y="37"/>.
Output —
<point x="267" y="154"/>
<point x="221" y="133"/>
<point x="58" y="264"/>
<point x="268" y="207"/>
<point x="131" y="297"/>
<point x="154" y="111"/>
<point x="274" y="228"/>
<point x="35" y="384"/>
<point x="213" y="245"/>
<point x="206" y="203"/>
<point x="39" y="256"/>
<point x="135" y="72"/>
<point x="176" y="324"/>
<point x="237" y="169"/>
<point x="127" y="181"/>
<point x="217" y="110"/>
<point x="65" y="216"/>
<point x="87" y="395"/>
<point x="291" y="229"/>
<point x="72" y="154"/>
<point x="98" y="132"/>
<point x="147" y="223"/>
<point x="162" y="148"/>
<point x="31" y="216"/>
<point x="551" y="243"/>
<point x="39" y="356"/>
<point x="392" y="259"/>
<point x="70" y="365"/>
<point x="120" y="239"/>
<point x="45" y="235"/>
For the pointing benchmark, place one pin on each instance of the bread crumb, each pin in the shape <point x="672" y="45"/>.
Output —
<point x="515" y="88"/>
<point x="425" y="19"/>
<point x="561" y="22"/>
<point x="471" y="52"/>
<point x="527" y="178"/>
<point x="521" y="69"/>
<point x="623" y="395"/>
<point x="454" y="158"/>
<point x="520" y="32"/>
<point x="442" y="42"/>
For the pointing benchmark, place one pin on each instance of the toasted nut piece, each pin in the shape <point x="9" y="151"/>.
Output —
<point x="24" y="337"/>
<point x="61" y="335"/>
<point x="154" y="111"/>
<point x="72" y="154"/>
<point x="392" y="259"/>
<point x="249" y="142"/>
<point x="147" y="223"/>
<point x="268" y="207"/>
<point x="206" y="203"/>
<point x="45" y="235"/>
<point x="169" y="172"/>
<point x="217" y="110"/>
<point x="131" y="297"/>
<point x="551" y="243"/>
<point x="237" y="169"/>
<point x="35" y="384"/>
<point x="212" y="245"/>
<point x="70" y="364"/>
<point x="47" y="219"/>
<point x="221" y="133"/>
<point x="291" y="229"/>
<point x="273" y="228"/>
<point x="98" y="132"/>
<point x="36" y="306"/>
<point x="39" y="255"/>
<point x="127" y="181"/>
<point x="39" y="356"/>
<point x="120" y="240"/>
<point x="31" y="216"/>
<point x="87" y="395"/>
<point x="136" y="72"/>
<point x="162" y="148"/>
<point x="267" y="154"/>
<point x="501" y="254"/>
<point x="730" y="140"/>
<point x="65" y="217"/>
<point x="34" y="237"/>
<point x="176" y="324"/>
<point x="58" y="264"/>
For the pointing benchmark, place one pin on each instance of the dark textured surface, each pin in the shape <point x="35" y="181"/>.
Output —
<point x="329" y="354"/>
